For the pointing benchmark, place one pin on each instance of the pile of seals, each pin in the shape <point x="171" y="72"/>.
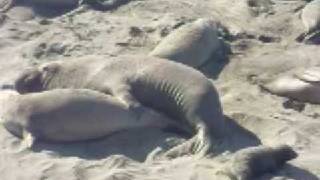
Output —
<point x="94" y="96"/>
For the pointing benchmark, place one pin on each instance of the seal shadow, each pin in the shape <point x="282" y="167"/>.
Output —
<point x="237" y="137"/>
<point x="297" y="173"/>
<point x="133" y="143"/>
<point x="291" y="172"/>
<point x="138" y="143"/>
<point x="46" y="11"/>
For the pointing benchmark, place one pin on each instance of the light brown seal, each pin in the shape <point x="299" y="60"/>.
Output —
<point x="303" y="86"/>
<point x="191" y="44"/>
<point x="65" y="115"/>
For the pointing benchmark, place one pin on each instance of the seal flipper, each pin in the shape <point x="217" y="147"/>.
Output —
<point x="124" y="95"/>
<point x="198" y="145"/>
<point x="28" y="140"/>
<point x="311" y="75"/>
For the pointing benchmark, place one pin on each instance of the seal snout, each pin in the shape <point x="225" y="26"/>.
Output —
<point x="28" y="81"/>
<point x="285" y="153"/>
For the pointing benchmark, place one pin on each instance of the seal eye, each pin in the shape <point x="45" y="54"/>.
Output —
<point x="50" y="68"/>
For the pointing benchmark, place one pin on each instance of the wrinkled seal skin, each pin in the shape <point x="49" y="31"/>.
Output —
<point x="65" y="115"/>
<point x="253" y="162"/>
<point x="191" y="44"/>
<point x="5" y="5"/>
<point x="174" y="89"/>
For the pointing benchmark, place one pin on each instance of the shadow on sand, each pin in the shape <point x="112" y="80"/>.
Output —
<point x="290" y="172"/>
<point x="138" y="143"/>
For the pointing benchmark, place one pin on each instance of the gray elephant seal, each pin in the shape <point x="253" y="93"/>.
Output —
<point x="191" y="44"/>
<point x="303" y="86"/>
<point x="253" y="162"/>
<point x="310" y="16"/>
<point x="174" y="89"/>
<point x="65" y="115"/>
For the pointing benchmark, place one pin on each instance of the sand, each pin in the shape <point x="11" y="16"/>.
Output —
<point x="261" y="35"/>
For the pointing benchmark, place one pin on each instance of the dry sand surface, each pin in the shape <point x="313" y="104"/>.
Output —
<point x="261" y="35"/>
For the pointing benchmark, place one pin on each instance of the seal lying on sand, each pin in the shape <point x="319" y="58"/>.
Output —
<point x="253" y="162"/>
<point x="303" y="86"/>
<point x="191" y="44"/>
<point x="174" y="89"/>
<point x="310" y="16"/>
<point x="65" y="115"/>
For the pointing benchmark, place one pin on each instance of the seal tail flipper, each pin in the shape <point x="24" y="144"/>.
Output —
<point x="154" y="155"/>
<point x="198" y="145"/>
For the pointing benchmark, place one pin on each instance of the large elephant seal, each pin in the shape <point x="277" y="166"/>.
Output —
<point x="191" y="44"/>
<point x="64" y="115"/>
<point x="174" y="89"/>
<point x="253" y="162"/>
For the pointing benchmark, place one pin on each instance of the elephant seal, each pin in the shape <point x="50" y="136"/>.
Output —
<point x="303" y="86"/>
<point x="191" y="44"/>
<point x="177" y="90"/>
<point x="66" y="115"/>
<point x="310" y="16"/>
<point x="253" y="162"/>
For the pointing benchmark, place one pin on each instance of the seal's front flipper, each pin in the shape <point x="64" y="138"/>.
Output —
<point x="154" y="155"/>
<point x="311" y="75"/>
<point x="130" y="101"/>
<point x="28" y="140"/>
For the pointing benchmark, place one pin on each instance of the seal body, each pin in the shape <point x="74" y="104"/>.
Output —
<point x="174" y="89"/>
<point x="191" y="44"/>
<point x="64" y="115"/>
